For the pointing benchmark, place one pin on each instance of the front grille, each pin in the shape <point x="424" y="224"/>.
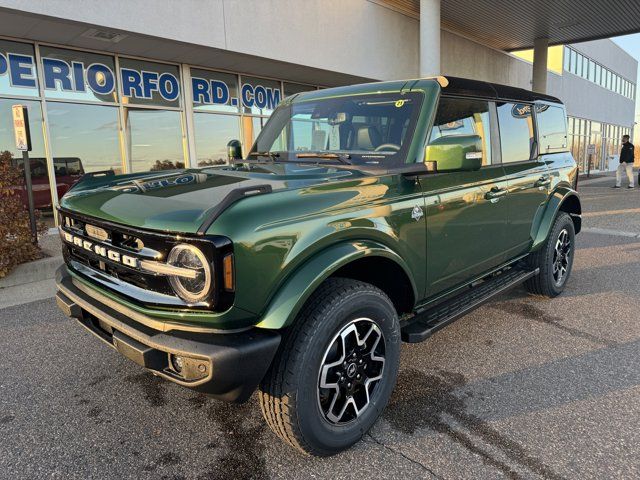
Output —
<point x="137" y="285"/>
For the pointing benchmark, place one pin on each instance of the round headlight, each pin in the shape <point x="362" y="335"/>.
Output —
<point x="196" y="289"/>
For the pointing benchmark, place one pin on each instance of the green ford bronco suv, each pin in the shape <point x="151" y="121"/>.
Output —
<point x="363" y="216"/>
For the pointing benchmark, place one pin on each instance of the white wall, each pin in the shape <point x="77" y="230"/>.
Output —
<point x="462" y="57"/>
<point x="355" y="36"/>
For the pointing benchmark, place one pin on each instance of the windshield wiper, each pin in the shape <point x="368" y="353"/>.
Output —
<point x="326" y="156"/>
<point x="271" y="155"/>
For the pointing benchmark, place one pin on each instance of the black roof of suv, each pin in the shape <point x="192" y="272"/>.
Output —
<point x="478" y="88"/>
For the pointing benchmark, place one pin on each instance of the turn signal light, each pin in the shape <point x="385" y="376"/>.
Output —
<point x="227" y="270"/>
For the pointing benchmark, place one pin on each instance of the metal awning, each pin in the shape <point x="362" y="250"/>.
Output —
<point x="515" y="24"/>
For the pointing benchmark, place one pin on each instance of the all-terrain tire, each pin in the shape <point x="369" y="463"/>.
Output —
<point x="290" y="394"/>
<point x="547" y="283"/>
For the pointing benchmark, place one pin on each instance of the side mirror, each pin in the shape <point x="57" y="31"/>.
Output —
<point x="234" y="150"/>
<point x="455" y="152"/>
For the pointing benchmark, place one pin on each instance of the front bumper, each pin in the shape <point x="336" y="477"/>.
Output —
<point x="229" y="366"/>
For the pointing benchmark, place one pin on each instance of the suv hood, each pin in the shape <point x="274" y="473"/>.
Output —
<point x="182" y="200"/>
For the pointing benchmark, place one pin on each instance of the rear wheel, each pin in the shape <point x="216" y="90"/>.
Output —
<point x="335" y="370"/>
<point x="554" y="259"/>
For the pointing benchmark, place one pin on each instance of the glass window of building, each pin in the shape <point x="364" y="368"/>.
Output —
<point x="84" y="138"/>
<point x="566" y="58"/>
<point x="155" y="139"/>
<point x="38" y="161"/>
<point x="74" y="75"/>
<point x="214" y="91"/>
<point x="552" y="128"/>
<point x="259" y="96"/>
<point x="293" y="88"/>
<point x="251" y="128"/>
<point x="573" y="61"/>
<point x="464" y="117"/>
<point x="585" y="67"/>
<point x="516" y="132"/>
<point x="592" y="71"/>
<point x="598" y="77"/>
<point x="148" y="83"/>
<point x="579" y="65"/>
<point x="212" y="133"/>
<point x="18" y="75"/>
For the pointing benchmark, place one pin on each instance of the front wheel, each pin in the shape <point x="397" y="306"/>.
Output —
<point x="335" y="371"/>
<point x="554" y="259"/>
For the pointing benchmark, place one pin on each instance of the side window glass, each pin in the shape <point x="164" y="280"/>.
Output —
<point x="516" y="131"/>
<point x="552" y="128"/>
<point x="457" y="116"/>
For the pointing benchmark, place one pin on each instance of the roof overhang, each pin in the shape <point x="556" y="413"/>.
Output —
<point x="515" y="24"/>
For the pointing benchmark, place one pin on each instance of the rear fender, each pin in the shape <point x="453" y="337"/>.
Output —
<point x="297" y="289"/>
<point x="562" y="199"/>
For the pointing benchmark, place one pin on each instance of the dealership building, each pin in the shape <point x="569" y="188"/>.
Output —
<point x="138" y="85"/>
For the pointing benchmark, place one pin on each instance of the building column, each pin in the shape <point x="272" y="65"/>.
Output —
<point x="429" y="38"/>
<point x="540" y="53"/>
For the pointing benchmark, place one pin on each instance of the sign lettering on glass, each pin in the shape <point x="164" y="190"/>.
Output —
<point x="20" y="68"/>
<point x="216" y="92"/>
<point x="76" y="76"/>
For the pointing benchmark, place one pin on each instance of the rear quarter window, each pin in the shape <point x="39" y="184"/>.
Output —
<point x="516" y="131"/>
<point x="552" y="128"/>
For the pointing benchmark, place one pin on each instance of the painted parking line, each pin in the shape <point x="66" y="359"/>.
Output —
<point x="606" y="231"/>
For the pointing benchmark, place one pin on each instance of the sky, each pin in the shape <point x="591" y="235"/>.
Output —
<point x="631" y="43"/>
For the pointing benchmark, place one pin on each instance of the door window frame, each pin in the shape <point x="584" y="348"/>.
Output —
<point x="496" y="152"/>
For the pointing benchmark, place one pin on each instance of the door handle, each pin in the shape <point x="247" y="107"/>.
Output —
<point x="543" y="182"/>
<point x="495" y="194"/>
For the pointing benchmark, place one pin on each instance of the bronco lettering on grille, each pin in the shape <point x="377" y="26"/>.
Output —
<point x="102" y="251"/>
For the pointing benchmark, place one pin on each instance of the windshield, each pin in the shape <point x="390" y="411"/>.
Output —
<point x="373" y="130"/>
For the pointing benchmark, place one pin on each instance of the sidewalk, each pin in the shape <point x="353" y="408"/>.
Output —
<point x="33" y="280"/>
<point x="604" y="177"/>
<point x="610" y="211"/>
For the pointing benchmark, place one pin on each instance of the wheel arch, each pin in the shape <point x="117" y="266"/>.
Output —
<point x="563" y="199"/>
<point x="353" y="259"/>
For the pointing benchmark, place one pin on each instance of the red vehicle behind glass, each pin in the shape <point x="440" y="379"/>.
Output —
<point x="68" y="171"/>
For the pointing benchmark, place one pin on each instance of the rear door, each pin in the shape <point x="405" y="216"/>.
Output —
<point x="466" y="211"/>
<point x="527" y="174"/>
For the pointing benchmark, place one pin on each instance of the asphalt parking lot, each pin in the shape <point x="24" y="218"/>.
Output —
<point x="521" y="388"/>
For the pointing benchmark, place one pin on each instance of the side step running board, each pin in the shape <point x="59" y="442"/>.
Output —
<point x="424" y="324"/>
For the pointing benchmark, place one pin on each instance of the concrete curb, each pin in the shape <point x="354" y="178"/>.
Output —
<point x="35" y="271"/>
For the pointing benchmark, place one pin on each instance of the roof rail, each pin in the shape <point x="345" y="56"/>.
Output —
<point x="441" y="79"/>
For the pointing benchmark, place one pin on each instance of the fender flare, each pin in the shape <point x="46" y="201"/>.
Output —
<point x="554" y="205"/>
<point x="301" y="283"/>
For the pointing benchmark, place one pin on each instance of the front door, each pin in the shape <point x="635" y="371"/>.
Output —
<point x="466" y="211"/>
